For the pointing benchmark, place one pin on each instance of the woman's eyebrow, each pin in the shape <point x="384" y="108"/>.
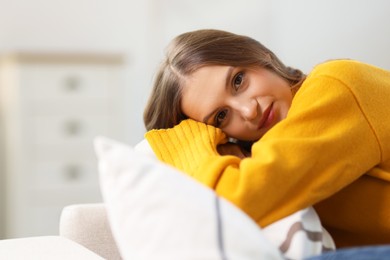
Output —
<point x="227" y="85"/>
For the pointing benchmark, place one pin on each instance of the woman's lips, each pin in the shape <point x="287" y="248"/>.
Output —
<point x="267" y="118"/>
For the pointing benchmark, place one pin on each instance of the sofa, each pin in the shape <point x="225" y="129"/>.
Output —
<point x="84" y="233"/>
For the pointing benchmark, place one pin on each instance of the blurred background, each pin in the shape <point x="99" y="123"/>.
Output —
<point x="71" y="70"/>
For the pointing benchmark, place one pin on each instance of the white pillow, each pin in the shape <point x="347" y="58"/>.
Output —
<point x="156" y="212"/>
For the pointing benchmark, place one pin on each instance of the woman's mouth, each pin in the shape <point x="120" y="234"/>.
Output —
<point x="267" y="118"/>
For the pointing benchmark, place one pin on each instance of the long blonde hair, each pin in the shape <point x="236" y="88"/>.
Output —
<point x="193" y="50"/>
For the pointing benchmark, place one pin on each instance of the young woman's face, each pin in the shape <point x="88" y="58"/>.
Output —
<point x="244" y="102"/>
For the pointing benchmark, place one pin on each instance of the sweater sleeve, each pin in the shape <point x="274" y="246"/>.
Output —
<point x="188" y="146"/>
<point x="324" y="144"/>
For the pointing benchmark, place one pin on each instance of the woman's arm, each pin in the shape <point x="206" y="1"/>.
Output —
<point x="324" y="144"/>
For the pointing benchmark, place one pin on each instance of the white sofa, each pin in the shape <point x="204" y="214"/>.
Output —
<point x="84" y="233"/>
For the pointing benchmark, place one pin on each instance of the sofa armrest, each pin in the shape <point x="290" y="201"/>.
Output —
<point x="87" y="224"/>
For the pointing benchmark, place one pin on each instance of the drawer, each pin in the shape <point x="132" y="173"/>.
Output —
<point x="44" y="210"/>
<point x="54" y="196"/>
<point x="39" y="212"/>
<point x="67" y="106"/>
<point x="35" y="221"/>
<point x="40" y="81"/>
<point x="72" y="151"/>
<point x="60" y="129"/>
<point x="63" y="174"/>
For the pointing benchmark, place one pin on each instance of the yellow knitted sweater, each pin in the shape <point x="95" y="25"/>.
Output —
<point x="332" y="151"/>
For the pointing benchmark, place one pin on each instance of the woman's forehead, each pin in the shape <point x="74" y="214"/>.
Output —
<point x="203" y="89"/>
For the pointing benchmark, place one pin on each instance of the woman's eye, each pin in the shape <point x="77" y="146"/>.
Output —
<point x="237" y="81"/>
<point x="220" y="117"/>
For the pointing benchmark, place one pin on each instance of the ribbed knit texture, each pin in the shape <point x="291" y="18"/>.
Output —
<point x="186" y="145"/>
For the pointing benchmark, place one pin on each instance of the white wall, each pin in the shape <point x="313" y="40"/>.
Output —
<point x="302" y="32"/>
<point x="307" y="32"/>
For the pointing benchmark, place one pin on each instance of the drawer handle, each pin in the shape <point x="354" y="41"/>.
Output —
<point x="72" y="172"/>
<point x="73" y="128"/>
<point x="72" y="83"/>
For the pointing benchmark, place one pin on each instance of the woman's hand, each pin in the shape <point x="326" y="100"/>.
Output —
<point x="232" y="149"/>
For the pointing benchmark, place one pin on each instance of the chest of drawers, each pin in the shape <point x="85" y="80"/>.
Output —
<point x="52" y="106"/>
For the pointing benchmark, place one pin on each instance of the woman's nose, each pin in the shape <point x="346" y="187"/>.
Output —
<point x="249" y="109"/>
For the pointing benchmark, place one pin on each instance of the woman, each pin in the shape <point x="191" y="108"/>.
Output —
<point x="319" y="140"/>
